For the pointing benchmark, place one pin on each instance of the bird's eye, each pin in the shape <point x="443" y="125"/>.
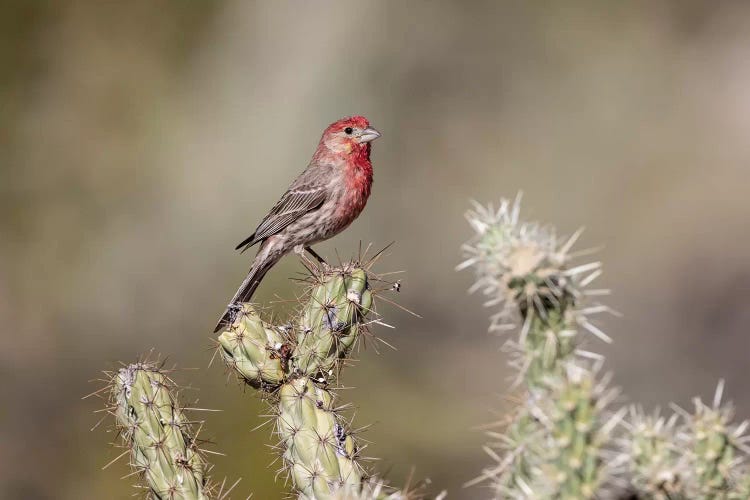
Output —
<point x="348" y="130"/>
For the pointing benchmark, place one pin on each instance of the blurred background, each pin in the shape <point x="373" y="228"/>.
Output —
<point x="140" y="141"/>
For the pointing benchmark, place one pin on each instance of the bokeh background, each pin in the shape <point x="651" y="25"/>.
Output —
<point x="141" y="140"/>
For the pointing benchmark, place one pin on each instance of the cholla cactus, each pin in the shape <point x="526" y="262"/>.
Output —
<point x="702" y="457"/>
<point x="553" y="447"/>
<point x="716" y="450"/>
<point x="319" y="451"/>
<point x="265" y="355"/>
<point x="652" y="456"/>
<point x="159" y="436"/>
<point x="524" y="271"/>
<point x="573" y="444"/>
<point x="741" y="488"/>
<point x="256" y="350"/>
<point x="331" y="322"/>
<point x="559" y="442"/>
<point x="296" y="364"/>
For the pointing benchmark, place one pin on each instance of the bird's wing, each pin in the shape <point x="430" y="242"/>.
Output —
<point x="296" y="202"/>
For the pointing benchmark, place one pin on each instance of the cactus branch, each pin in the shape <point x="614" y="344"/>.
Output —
<point x="553" y="447"/>
<point x="295" y="365"/>
<point x="319" y="452"/>
<point x="161" y="440"/>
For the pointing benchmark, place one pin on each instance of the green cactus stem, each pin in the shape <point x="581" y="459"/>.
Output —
<point x="331" y="321"/>
<point x="265" y="355"/>
<point x="652" y="456"/>
<point x="524" y="271"/>
<point x="741" y="487"/>
<point x="702" y="457"/>
<point x="257" y="351"/>
<point x="157" y="432"/>
<point x="717" y="449"/>
<point x="571" y="458"/>
<point x="319" y="451"/>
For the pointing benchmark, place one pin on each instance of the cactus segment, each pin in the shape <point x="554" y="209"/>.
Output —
<point x="159" y="435"/>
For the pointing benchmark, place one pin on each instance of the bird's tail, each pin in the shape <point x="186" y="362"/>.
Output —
<point x="260" y="267"/>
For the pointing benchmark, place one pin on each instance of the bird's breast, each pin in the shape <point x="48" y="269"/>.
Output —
<point x="354" y="196"/>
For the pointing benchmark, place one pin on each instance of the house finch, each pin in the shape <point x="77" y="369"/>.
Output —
<point x="321" y="202"/>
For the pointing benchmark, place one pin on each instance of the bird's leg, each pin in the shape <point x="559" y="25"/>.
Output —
<point x="300" y="250"/>
<point x="317" y="257"/>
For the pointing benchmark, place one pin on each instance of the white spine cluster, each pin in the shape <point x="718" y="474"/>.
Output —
<point x="560" y="441"/>
<point x="555" y="445"/>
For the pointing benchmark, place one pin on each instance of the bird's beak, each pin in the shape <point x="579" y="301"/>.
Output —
<point x="369" y="134"/>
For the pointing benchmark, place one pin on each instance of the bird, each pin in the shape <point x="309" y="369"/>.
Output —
<point x="320" y="203"/>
